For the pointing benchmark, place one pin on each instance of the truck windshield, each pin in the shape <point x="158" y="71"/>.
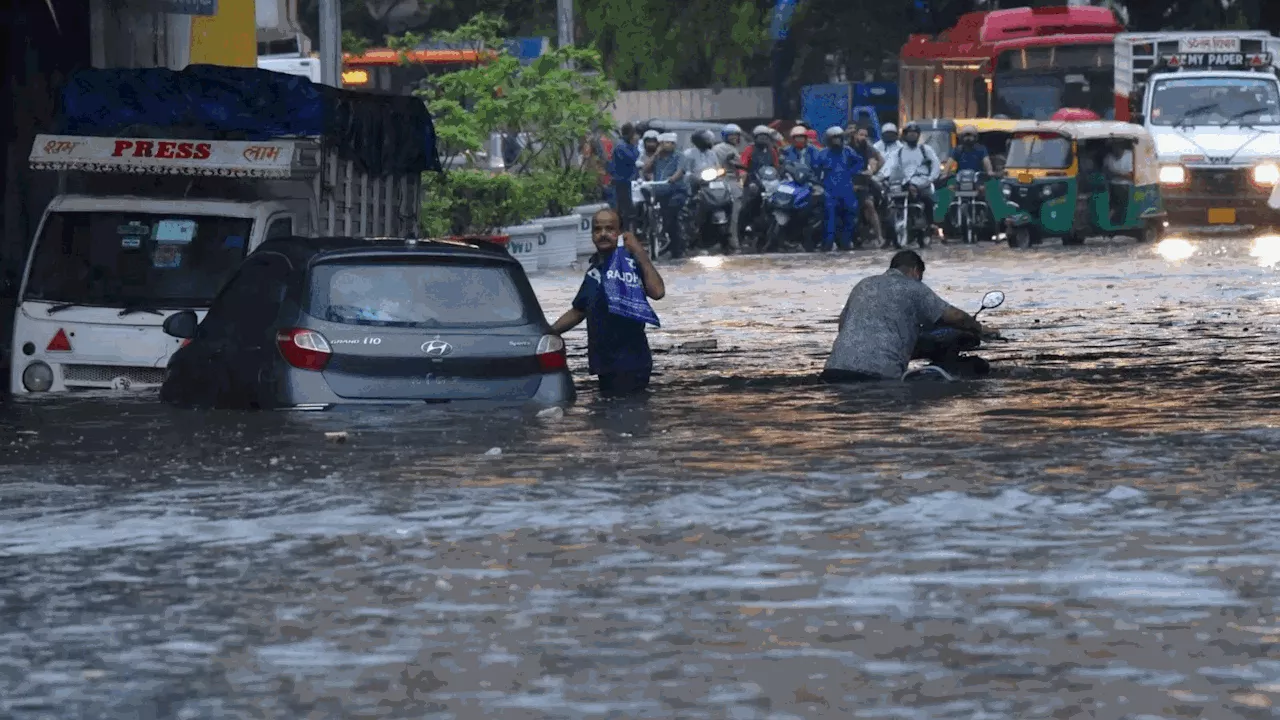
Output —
<point x="114" y="259"/>
<point x="1039" y="152"/>
<point x="1216" y="101"/>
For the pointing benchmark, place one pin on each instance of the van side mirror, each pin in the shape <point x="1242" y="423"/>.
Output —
<point x="181" y="325"/>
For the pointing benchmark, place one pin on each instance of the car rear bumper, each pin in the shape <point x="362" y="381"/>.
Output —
<point x="308" y="391"/>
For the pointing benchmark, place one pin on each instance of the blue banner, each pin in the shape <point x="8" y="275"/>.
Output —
<point x="625" y="289"/>
<point x="782" y="12"/>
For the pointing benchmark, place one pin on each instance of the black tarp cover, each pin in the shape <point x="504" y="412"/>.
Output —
<point x="383" y="133"/>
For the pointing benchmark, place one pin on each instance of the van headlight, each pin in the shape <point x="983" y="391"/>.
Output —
<point x="1267" y="174"/>
<point x="38" y="377"/>
<point x="1172" y="175"/>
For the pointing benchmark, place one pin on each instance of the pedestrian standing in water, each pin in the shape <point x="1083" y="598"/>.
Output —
<point x="617" y="346"/>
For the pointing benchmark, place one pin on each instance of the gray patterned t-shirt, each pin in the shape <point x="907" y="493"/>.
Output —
<point x="881" y="322"/>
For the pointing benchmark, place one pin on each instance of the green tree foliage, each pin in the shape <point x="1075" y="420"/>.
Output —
<point x="552" y="104"/>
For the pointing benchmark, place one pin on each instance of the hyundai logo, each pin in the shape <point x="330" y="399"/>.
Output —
<point x="437" y="348"/>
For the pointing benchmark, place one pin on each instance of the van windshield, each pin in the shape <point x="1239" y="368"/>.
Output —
<point x="121" y="259"/>
<point x="1216" y="101"/>
<point x="1039" y="152"/>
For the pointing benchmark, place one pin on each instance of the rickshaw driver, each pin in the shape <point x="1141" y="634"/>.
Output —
<point x="1118" y="166"/>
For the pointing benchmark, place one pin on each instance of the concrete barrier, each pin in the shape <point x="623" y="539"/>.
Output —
<point x="523" y="245"/>
<point x="557" y="245"/>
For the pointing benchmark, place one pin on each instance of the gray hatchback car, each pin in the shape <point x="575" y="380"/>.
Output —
<point x="310" y="323"/>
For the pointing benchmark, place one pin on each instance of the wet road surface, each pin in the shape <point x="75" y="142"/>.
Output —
<point x="1093" y="532"/>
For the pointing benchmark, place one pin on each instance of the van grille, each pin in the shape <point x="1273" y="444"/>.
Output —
<point x="1219" y="183"/>
<point x="106" y="374"/>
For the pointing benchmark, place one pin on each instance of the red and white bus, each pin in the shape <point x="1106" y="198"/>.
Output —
<point x="1023" y="63"/>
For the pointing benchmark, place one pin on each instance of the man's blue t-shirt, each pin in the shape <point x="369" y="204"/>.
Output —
<point x="615" y="344"/>
<point x="623" y="168"/>
<point x="970" y="159"/>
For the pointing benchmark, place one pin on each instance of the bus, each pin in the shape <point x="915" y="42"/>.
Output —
<point x="1022" y="63"/>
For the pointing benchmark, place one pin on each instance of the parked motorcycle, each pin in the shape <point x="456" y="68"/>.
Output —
<point x="649" y="225"/>
<point x="945" y="348"/>
<point x="708" y="214"/>
<point x="969" y="217"/>
<point x="794" y="205"/>
<point x="907" y="209"/>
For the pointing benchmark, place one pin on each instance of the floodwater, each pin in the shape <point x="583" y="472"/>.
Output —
<point x="1092" y="532"/>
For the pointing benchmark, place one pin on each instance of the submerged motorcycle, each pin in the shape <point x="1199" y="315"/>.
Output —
<point x="945" y="348"/>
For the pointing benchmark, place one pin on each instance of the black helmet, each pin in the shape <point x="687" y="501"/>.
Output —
<point x="704" y="140"/>
<point x="909" y="127"/>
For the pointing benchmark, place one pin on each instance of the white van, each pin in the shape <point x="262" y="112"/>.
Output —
<point x="154" y="228"/>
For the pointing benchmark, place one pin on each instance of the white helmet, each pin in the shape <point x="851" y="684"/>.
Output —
<point x="888" y="128"/>
<point x="798" y="131"/>
<point x="669" y="137"/>
<point x="759" y="130"/>
<point x="650" y="135"/>
<point x="833" y="131"/>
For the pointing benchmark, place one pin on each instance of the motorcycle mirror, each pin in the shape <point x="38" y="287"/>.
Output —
<point x="991" y="300"/>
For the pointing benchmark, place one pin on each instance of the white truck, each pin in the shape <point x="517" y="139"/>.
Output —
<point x="1211" y="101"/>
<point x="150" y="226"/>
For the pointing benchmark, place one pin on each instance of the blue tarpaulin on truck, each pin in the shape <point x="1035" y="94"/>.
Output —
<point x="384" y="134"/>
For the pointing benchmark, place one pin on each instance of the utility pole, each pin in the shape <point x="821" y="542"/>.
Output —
<point x="330" y="43"/>
<point x="564" y="22"/>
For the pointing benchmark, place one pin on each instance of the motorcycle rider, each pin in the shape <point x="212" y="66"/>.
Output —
<point x="727" y="151"/>
<point x="665" y="166"/>
<point x="916" y="163"/>
<point x="761" y="154"/>
<point x="693" y="161"/>
<point x="888" y="141"/>
<point x="800" y="152"/>
<point x="837" y="165"/>
<point x="869" y="194"/>
<point x="648" y="148"/>
<point x="970" y="154"/>
<point x="882" y="319"/>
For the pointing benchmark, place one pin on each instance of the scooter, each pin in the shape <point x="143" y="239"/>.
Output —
<point x="709" y="212"/>
<point x="944" y="346"/>
<point x="792" y="204"/>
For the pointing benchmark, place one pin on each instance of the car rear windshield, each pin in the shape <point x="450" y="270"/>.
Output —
<point x="431" y="293"/>
<point x="122" y="258"/>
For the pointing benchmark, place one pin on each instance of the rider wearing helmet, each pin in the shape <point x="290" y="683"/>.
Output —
<point x="762" y="153"/>
<point x="970" y="154"/>
<point x="648" y="148"/>
<point x="916" y="163"/>
<point x="800" y="152"/>
<point x="694" y="160"/>
<point x="837" y="165"/>
<point x="664" y="166"/>
<point x="888" y="141"/>
<point x="727" y="151"/>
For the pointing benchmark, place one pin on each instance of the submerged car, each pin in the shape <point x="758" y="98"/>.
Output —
<point x="312" y="323"/>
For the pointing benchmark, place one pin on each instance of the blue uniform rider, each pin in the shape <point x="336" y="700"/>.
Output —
<point x="800" y="152"/>
<point x="838" y="165"/>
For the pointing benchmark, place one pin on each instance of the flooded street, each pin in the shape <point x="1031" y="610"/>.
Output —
<point x="1091" y="532"/>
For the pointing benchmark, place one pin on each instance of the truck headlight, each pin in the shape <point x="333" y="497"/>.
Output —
<point x="38" y="377"/>
<point x="1172" y="175"/>
<point x="1267" y="174"/>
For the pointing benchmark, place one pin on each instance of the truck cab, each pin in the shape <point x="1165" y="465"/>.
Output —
<point x="146" y="235"/>
<point x="1212" y="104"/>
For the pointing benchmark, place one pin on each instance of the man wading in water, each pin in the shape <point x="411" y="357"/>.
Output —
<point x="617" y="347"/>
<point x="882" y="321"/>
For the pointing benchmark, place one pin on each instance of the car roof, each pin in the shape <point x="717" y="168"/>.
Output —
<point x="308" y="250"/>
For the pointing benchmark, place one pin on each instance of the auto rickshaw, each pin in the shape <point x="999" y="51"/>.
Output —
<point x="994" y="135"/>
<point x="1056" y="184"/>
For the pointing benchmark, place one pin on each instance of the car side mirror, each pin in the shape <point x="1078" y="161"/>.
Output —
<point x="181" y="325"/>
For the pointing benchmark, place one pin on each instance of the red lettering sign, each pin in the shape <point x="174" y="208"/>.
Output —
<point x="162" y="149"/>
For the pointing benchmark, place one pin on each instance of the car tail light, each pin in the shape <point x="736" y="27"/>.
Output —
<point x="551" y="357"/>
<point x="59" y="343"/>
<point x="304" y="349"/>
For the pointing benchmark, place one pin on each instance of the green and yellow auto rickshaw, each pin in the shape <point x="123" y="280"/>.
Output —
<point x="1057" y="184"/>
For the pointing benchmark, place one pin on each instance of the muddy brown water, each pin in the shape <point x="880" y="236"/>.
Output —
<point x="1092" y="532"/>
